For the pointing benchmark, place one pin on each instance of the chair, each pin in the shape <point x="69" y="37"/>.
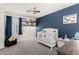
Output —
<point x="9" y="41"/>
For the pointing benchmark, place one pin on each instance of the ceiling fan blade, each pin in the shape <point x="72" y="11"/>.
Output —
<point x="29" y="10"/>
<point x="37" y="11"/>
<point x="34" y="10"/>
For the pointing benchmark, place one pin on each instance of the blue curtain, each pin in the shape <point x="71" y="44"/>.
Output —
<point x="20" y="26"/>
<point x="8" y="29"/>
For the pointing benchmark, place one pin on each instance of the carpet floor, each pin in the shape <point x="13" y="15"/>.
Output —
<point x="27" y="47"/>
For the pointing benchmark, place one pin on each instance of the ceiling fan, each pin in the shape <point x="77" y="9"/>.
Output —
<point x="34" y="10"/>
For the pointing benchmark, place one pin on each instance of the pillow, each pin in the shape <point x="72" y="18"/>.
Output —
<point x="12" y="38"/>
<point x="66" y="39"/>
<point x="60" y="39"/>
<point x="76" y="36"/>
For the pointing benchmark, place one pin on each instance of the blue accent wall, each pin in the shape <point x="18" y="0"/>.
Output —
<point x="55" y="20"/>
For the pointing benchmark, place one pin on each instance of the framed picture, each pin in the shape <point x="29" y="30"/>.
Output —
<point x="69" y="19"/>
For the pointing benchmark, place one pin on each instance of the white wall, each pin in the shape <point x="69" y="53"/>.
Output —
<point x="29" y="32"/>
<point x="15" y="25"/>
<point x="2" y="28"/>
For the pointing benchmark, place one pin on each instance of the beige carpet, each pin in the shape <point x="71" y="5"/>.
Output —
<point x="28" y="47"/>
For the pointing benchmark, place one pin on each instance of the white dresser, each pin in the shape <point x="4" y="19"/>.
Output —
<point x="48" y="37"/>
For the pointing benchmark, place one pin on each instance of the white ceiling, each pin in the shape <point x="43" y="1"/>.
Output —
<point x="45" y="8"/>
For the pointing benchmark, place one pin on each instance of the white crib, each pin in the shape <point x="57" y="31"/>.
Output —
<point x="48" y="37"/>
